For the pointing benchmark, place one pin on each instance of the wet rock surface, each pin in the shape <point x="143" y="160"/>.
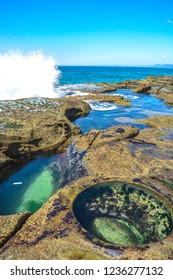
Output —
<point x="116" y="99"/>
<point x="100" y="88"/>
<point x="161" y="86"/>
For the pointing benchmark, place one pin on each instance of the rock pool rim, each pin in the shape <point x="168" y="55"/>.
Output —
<point x="143" y="186"/>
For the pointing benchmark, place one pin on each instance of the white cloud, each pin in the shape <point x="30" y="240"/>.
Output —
<point x="163" y="56"/>
<point x="170" y="21"/>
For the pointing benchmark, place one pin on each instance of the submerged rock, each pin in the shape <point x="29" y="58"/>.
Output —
<point x="114" y="231"/>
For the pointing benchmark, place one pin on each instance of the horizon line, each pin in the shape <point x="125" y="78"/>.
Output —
<point x="155" y="65"/>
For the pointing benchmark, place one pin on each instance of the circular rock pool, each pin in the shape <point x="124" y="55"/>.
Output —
<point x="123" y="213"/>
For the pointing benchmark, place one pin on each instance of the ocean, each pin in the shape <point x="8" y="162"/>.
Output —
<point x="97" y="74"/>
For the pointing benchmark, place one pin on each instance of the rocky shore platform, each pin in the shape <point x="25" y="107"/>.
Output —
<point x="129" y="180"/>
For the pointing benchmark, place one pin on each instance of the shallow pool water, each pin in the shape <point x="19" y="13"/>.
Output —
<point x="123" y="213"/>
<point x="106" y="114"/>
<point x="31" y="186"/>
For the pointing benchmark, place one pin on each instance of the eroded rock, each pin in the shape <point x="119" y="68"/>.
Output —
<point x="158" y="121"/>
<point x="54" y="232"/>
<point x="10" y="225"/>
<point x="142" y="89"/>
<point x="96" y="138"/>
<point x="37" y="124"/>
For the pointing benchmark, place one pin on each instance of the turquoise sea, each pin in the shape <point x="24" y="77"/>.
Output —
<point x="32" y="184"/>
<point x="107" y="74"/>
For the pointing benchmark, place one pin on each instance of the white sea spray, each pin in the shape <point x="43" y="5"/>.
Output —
<point x="24" y="76"/>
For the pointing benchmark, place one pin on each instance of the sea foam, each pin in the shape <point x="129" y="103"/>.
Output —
<point x="24" y="76"/>
<point x="102" y="106"/>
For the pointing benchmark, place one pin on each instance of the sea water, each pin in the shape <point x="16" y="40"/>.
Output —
<point x="106" y="74"/>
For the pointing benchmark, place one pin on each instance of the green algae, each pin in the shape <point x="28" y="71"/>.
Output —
<point x="115" y="231"/>
<point x="123" y="213"/>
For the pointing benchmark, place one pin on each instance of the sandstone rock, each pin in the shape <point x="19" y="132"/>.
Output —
<point x="10" y="225"/>
<point x="114" y="134"/>
<point x="128" y="84"/>
<point x="100" y="88"/>
<point x="142" y="89"/>
<point x="33" y="125"/>
<point x="166" y="94"/>
<point x="96" y="138"/>
<point x="158" y="121"/>
<point x="117" y="99"/>
<point x="83" y="142"/>
<point x="116" y="154"/>
<point x="131" y="158"/>
<point x="53" y="232"/>
<point x="161" y="138"/>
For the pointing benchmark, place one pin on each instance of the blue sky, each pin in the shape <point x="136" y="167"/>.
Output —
<point x="89" y="32"/>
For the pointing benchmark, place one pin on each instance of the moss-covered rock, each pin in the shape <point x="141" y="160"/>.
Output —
<point x="111" y="211"/>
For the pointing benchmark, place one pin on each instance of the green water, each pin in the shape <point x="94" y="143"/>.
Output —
<point x="115" y="231"/>
<point x="123" y="213"/>
<point x="37" y="193"/>
<point x="29" y="187"/>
